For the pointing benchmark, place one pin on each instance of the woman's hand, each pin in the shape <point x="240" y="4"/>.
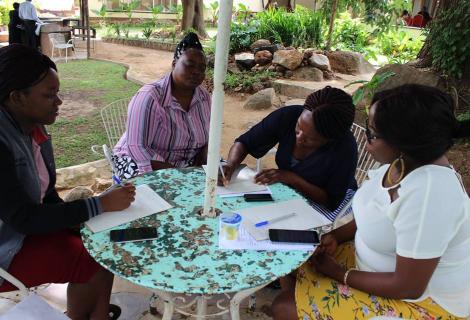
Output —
<point x="327" y="265"/>
<point x="119" y="198"/>
<point x="228" y="172"/>
<point x="328" y="244"/>
<point x="271" y="176"/>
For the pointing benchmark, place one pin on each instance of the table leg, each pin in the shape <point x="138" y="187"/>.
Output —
<point x="169" y="306"/>
<point x="201" y="307"/>
<point x="238" y="298"/>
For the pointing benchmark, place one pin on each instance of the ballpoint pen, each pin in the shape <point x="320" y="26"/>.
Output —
<point x="270" y="221"/>
<point x="117" y="180"/>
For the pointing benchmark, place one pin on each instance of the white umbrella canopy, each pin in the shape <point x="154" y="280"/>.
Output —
<point x="217" y="109"/>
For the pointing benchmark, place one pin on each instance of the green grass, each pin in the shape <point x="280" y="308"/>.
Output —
<point x="96" y="82"/>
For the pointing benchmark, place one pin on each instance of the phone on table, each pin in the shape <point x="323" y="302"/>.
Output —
<point x="296" y="236"/>
<point x="251" y="197"/>
<point x="133" y="234"/>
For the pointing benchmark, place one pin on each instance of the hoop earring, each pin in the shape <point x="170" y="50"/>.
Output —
<point x="402" y="172"/>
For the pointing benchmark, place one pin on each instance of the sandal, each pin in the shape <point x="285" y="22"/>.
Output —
<point x="114" y="312"/>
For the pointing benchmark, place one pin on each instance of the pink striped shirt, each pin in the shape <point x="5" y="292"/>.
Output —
<point x="158" y="128"/>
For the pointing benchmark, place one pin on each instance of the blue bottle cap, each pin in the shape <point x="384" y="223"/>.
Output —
<point x="231" y="218"/>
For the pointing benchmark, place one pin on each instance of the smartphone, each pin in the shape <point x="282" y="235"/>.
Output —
<point x="133" y="234"/>
<point x="297" y="236"/>
<point x="258" y="197"/>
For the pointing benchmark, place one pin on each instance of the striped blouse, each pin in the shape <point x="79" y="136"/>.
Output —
<point x="158" y="128"/>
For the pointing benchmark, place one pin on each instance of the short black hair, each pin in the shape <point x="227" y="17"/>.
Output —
<point x="417" y="120"/>
<point x="16" y="5"/>
<point x="21" y="67"/>
<point x="333" y="111"/>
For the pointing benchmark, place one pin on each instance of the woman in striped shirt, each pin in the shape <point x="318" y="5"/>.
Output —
<point x="168" y="120"/>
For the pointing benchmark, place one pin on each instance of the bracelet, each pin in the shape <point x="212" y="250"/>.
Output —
<point x="346" y="274"/>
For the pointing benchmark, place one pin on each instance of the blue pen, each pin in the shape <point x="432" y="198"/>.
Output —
<point x="116" y="180"/>
<point x="266" y="222"/>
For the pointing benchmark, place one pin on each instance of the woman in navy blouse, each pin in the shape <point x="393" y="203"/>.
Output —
<point x="316" y="153"/>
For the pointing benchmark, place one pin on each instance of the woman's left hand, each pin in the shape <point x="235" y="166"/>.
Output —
<point x="327" y="265"/>
<point x="271" y="176"/>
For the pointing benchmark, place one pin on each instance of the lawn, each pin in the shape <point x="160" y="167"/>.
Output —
<point x="88" y="83"/>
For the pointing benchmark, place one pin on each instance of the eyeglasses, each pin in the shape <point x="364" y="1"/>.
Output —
<point x="369" y="135"/>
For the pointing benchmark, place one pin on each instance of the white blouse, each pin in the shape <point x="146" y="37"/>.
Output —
<point x="429" y="219"/>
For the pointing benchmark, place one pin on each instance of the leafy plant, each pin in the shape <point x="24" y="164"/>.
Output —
<point x="449" y="34"/>
<point x="214" y="12"/>
<point x="178" y="10"/>
<point x="147" y="32"/>
<point x="247" y="79"/>
<point x="129" y="8"/>
<point x="242" y="13"/>
<point x="156" y="10"/>
<point x="126" y="30"/>
<point x="369" y="87"/>
<point x="117" y="29"/>
<point x="102" y="13"/>
<point x="241" y="36"/>
<point x="398" y="46"/>
<point x="350" y="34"/>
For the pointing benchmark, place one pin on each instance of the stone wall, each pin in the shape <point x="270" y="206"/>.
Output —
<point x="143" y="43"/>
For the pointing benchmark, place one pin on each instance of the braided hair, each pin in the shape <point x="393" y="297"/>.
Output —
<point x="333" y="112"/>
<point x="21" y="67"/>
<point x="190" y="41"/>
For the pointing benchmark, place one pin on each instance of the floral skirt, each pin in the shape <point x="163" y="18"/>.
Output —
<point x="322" y="298"/>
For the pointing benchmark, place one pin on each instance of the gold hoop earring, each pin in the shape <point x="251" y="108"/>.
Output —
<point x="402" y="172"/>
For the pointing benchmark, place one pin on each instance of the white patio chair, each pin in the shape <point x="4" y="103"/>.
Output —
<point x="58" y="42"/>
<point x="114" y="117"/>
<point x="29" y="305"/>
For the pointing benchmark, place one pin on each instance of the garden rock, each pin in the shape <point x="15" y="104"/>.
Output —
<point x="348" y="62"/>
<point x="271" y="48"/>
<point x="77" y="193"/>
<point x="233" y="68"/>
<point x="290" y="59"/>
<point x="309" y="74"/>
<point x="82" y="175"/>
<point x="263" y="99"/>
<point x="101" y="185"/>
<point x="405" y="74"/>
<point x="319" y="61"/>
<point x="263" y="57"/>
<point x="245" y="60"/>
<point x="259" y="43"/>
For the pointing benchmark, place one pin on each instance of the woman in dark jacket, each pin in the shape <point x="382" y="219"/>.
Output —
<point x="14" y="33"/>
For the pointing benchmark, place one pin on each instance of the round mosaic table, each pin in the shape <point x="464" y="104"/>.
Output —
<point x="185" y="258"/>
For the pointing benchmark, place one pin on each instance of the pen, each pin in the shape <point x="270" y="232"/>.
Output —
<point x="222" y="170"/>
<point x="116" y="180"/>
<point x="263" y="223"/>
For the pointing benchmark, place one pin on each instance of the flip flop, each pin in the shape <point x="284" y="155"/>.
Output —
<point x="114" y="312"/>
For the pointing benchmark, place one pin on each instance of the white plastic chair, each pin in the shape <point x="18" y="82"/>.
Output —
<point x="114" y="117"/>
<point x="30" y="305"/>
<point x="58" y="42"/>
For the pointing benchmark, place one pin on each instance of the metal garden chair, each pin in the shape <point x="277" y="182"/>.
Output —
<point x="58" y="42"/>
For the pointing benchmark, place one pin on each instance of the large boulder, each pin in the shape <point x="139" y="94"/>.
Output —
<point x="82" y="174"/>
<point x="290" y="59"/>
<point x="348" y="62"/>
<point x="245" y="60"/>
<point x="405" y="74"/>
<point x="319" y="61"/>
<point x="263" y="99"/>
<point x="308" y="73"/>
<point x="259" y="43"/>
<point x="77" y="193"/>
<point x="263" y="57"/>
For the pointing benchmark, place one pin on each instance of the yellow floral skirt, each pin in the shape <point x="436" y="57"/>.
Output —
<point x="322" y="298"/>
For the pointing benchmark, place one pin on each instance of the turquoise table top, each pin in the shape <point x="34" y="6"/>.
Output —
<point x="185" y="258"/>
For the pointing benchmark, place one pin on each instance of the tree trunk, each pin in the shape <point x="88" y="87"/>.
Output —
<point x="424" y="55"/>
<point x="193" y="16"/>
<point x="332" y="21"/>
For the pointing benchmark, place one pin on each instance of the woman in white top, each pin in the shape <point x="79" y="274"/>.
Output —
<point x="411" y="227"/>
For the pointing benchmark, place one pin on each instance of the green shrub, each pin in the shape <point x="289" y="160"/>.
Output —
<point x="398" y="46"/>
<point x="242" y="36"/>
<point x="449" y="36"/>
<point x="350" y="34"/>
<point x="246" y="79"/>
<point x="147" y="32"/>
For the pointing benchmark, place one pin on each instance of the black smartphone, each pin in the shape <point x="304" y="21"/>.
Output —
<point x="258" y="197"/>
<point x="297" y="236"/>
<point x="133" y="234"/>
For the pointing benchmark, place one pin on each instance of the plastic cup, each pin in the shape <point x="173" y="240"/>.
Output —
<point x="229" y="225"/>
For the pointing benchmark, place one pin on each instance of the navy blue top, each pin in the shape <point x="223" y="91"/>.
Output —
<point x="330" y="167"/>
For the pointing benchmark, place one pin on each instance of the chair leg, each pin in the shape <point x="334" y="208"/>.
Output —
<point x="66" y="53"/>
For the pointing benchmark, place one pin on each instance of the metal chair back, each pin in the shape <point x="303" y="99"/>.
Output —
<point x="365" y="162"/>
<point x="114" y="117"/>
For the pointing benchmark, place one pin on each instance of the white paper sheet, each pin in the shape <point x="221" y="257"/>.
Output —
<point x="146" y="202"/>
<point x="246" y="242"/>
<point x="305" y="217"/>
<point x="242" y="182"/>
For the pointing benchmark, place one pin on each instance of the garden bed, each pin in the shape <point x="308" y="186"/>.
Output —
<point x="143" y="43"/>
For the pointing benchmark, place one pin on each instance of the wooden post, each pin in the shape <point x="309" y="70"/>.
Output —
<point x="87" y="25"/>
<point x="332" y="21"/>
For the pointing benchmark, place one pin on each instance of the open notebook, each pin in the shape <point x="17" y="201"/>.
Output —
<point x="146" y="202"/>
<point x="305" y="217"/>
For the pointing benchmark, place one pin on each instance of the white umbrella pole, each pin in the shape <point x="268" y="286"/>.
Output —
<point x="217" y="111"/>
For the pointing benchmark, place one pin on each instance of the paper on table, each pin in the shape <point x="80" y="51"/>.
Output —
<point x="246" y="242"/>
<point x="241" y="183"/>
<point x="305" y="217"/>
<point x="146" y="202"/>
